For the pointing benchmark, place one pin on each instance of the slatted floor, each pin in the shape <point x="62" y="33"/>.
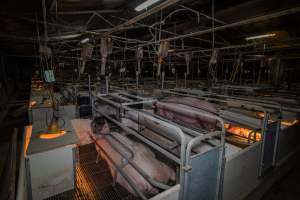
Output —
<point x="93" y="180"/>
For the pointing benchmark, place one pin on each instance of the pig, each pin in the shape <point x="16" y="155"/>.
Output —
<point x="177" y="109"/>
<point x="140" y="154"/>
<point x="83" y="130"/>
<point x="108" y="110"/>
<point x="192" y="102"/>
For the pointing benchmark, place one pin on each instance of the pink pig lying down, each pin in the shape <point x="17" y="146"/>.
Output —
<point x="177" y="109"/>
<point x="83" y="130"/>
<point x="140" y="154"/>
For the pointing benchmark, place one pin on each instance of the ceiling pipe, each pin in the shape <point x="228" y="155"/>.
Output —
<point x="164" y="31"/>
<point x="86" y="12"/>
<point x="234" y="24"/>
<point x="145" y="14"/>
<point x="242" y="46"/>
<point x="206" y="16"/>
<point x="75" y="30"/>
<point x="60" y="25"/>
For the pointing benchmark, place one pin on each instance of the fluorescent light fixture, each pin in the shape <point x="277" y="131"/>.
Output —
<point x="85" y="40"/>
<point x="64" y="37"/>
<point x="145" y="5"/>
<point x="261" y="36"/>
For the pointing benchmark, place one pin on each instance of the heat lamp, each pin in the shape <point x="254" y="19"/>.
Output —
<point x="53" y="131"/>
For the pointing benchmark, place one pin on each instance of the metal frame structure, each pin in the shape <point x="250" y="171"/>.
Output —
<point x="275" y="108"/>
<point x="190" y="172"/>
<point x="269" y="154"/>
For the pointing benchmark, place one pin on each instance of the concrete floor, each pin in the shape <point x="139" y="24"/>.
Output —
<point x="288" y="188"/>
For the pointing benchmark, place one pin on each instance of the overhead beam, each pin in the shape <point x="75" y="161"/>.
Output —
<point x="74" y="29"/>
<point x="85" y="12"/>
<point x="164" y="30"/>
<point x="145" y="14"/>
<point x="234" y="24"/>
<point x="59" y="25"/>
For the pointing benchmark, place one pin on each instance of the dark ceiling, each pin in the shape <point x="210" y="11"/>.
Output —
<point x="68" y="21"/>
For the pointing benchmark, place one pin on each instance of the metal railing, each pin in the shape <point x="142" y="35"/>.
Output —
<point x="167" y="129"/>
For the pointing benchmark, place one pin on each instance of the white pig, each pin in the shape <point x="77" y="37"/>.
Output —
<point x="140" y="154"/>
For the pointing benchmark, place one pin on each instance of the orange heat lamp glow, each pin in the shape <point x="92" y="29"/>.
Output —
<point x="32" y="104"/>
<point x="52" y="135"/>
<point x="261" y="115"/>
<point x="28" y="132"/>
<point x="243" y="132"/>
<point x="53" y="131"/>
<point x="284" y="123"/>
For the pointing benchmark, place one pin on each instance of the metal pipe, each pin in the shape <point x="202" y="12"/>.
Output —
<point x="176" y="130"/>
<point x="84" y="12"/>
<point x="180" y="110"/>
<point x="168" y="130"/>
<point x="107" y="85"/>
<point x="121" y="143"/>
<point x="163" y="31"/>
<point x="184" y="129"/>
<point x="104" y="19"/>
<point x="260" y="102"/>
<point x="153" y="145"/>
<point x="245" y="105"/>
<point x="132" y="96"/>
<point x="128" y="180"/>
<point x="137" y="80"/>
<point x="137" y="168"/>
<point x="185" y="81"/>
<point x="207" y="16"/>
<point x="116" y="95"/>
<point x="184" y="166"/>
<point x="263" y="129"/>
<point x="197" y="141"/>
<point x="145" y="14"/>
<point x="139" y="102"/>
<point x="60" y="25"/>
<point x="234" y="24"/>
<point x="153" y="124"/>
<point x="162" y="80"/>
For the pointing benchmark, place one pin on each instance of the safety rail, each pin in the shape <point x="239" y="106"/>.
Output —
<point x="196" y="141"/>
<point x="258" y="105"/>
<point x="167" y="130"/>
<point x="175" y="131"/>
